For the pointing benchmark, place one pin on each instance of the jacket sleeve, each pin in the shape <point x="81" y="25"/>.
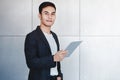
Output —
<point x="59" y="70"/>
<point x="32" y="60"/>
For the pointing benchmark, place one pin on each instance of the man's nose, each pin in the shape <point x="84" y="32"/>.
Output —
<point x="49" y="16"/>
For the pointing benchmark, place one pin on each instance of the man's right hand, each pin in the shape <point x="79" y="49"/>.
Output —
<point x="59" y="56"/>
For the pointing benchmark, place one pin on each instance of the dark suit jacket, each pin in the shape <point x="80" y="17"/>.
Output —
<point x="38" y="55"/>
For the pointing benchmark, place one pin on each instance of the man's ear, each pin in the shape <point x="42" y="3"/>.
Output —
<point x="39" y="15"/>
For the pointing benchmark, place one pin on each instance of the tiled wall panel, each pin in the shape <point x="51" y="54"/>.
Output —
<point x="99" y="58"/>
<point x="100" y="17"/>
<point x="12" y="59"/>
<point x="100" y="33"/>
<point x="15" y="17"/>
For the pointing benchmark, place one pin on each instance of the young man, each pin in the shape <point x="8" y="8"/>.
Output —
<point x="42" y="47"/>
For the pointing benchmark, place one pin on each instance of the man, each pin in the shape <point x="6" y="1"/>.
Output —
<point x="42" y="47"/>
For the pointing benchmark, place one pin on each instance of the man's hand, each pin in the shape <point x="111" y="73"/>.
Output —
<point x="58" y="78"/>
<point x="59" y="56"/>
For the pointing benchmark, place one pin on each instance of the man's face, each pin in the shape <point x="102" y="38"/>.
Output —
<point x="48" y="16"/>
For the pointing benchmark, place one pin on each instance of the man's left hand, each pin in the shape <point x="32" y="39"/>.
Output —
<point x="58" y="78"/>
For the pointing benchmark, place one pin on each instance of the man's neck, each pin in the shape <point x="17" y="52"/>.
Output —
<point x="45" y="29"/>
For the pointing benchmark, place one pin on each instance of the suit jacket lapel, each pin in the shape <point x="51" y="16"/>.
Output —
<point x="56" y="40"/>
<point x="42" y="36"/>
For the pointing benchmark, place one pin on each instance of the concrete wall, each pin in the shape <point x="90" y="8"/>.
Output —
<point x="95" y="22"/>
<point x="100" y="31"/>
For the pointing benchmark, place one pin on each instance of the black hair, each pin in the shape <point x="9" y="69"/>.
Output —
<point x="45" y="4"/>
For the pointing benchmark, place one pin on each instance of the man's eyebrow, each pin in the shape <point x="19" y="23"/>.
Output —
<point x="45" y="11"/>
<point x="48" y="12"/>
<point x="53" y="12"/>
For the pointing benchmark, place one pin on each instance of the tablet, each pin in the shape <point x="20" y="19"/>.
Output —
<point x="71" y="47"/>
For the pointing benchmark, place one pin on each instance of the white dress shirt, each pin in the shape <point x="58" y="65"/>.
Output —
<point x="53" y="47"/>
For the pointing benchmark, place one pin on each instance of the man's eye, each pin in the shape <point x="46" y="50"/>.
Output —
<point x="46" y="13"/>
<point x="53" y="13"/>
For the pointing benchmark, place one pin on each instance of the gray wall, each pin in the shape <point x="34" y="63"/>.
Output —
<point x="95" y="22"/>
<point x="15" y="22"/>
<point x="100" y="31"/>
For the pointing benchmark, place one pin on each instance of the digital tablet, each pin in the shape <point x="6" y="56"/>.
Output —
<point x="71" y="47"/>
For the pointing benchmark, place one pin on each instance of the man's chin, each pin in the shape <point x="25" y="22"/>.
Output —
<point x="48" y="25"/>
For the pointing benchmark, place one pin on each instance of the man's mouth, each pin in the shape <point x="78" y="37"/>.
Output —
<point x="49" y="20"/>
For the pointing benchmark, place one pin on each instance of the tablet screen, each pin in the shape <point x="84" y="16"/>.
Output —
<point x="71" y="47"/>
